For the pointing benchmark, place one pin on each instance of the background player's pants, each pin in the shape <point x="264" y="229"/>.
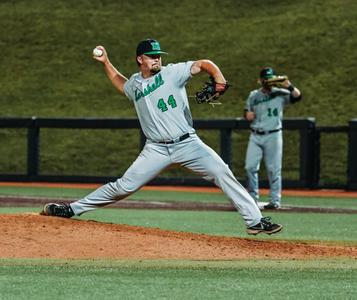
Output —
<point x="269" y="146"/>
<point x="191" y="153"/>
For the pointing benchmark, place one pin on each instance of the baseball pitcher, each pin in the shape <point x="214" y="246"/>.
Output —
<point x="160" y="99"/>
<point x="264" y="108"/>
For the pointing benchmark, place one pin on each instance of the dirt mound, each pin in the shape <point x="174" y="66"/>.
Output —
<point x="35" y="236"/>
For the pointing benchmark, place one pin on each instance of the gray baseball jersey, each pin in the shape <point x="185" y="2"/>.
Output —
<point x="161" y="102"/>
<point x="268" y="108"/>
<point x="163" y="110"/>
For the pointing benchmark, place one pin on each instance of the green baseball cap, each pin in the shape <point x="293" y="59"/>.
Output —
<point x="267" y="73"/>
<point x="149" y="46"/>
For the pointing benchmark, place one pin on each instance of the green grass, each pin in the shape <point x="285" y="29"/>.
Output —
<point x="31" y="279"/>
<point x="170" y="196"/>
<point x="44" y="192"/>
<point x="48" y="70"/>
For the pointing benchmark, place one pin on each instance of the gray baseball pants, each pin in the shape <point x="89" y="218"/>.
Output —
<point x="190" y="153"/>
<point x="269" y="147"/>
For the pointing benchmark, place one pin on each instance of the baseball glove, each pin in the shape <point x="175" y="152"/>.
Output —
<point x="277" y="80"/>
<point x="211" y="91"/>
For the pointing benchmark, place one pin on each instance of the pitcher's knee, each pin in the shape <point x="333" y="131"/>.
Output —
<point x="221" y="170"/>
<point x="274" y="173"/>
<point x="251" y="169"/>
<point x="120" y="190"/>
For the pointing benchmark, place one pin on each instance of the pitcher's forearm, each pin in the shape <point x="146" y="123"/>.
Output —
<point x="117" y="79"/>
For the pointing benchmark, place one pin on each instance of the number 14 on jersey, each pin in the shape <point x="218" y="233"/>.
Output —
<point x="273" y="112"/>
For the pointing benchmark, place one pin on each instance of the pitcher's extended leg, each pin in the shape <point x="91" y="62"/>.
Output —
<point x="151" y="161"/>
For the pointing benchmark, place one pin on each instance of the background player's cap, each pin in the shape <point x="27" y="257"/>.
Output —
<point x="149" y="46"/>
<point x="267" y="73"/>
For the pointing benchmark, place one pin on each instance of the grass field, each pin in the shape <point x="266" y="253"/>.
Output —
<point x="160" y="196"/>
<point x="181" y="279"/>
<point x="33" y="279"/>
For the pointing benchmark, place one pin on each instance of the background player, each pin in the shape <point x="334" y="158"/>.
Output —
<point x="264" y="108"/>
<point x="159" y="96"/>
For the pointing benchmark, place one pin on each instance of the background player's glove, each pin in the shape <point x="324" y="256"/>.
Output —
<point x="211" y="91"/>
<point x="277" y="80"/>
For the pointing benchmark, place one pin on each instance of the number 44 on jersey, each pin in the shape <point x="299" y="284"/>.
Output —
<point x="161" y="104"/>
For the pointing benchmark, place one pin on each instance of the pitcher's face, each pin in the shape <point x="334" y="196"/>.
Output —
<point x="150" y="63"/>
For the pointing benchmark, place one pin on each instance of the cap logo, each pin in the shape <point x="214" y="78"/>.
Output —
<point x="155" y="46"/>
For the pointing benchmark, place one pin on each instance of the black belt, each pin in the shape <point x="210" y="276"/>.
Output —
<point x="179" y="139"/>
<point x="262" y="132"/>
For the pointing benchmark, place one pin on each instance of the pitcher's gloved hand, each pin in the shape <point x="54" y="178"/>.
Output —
<point x="211" y="91"/>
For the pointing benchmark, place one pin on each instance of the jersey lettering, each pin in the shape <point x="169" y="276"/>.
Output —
<point x="265" y="99"/>
<point x="149" y="88"/>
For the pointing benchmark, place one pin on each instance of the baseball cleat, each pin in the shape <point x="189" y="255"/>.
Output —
<point x="264" y="226"/>
<point x="271" y="206"/>
<point x="58" y="210"/>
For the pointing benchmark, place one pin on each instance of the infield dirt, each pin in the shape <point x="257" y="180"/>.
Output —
<point x="36" y="236"/>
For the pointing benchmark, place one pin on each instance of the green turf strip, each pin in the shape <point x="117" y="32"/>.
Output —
<point x="162" y="196"/>
<point x="336" y="228"/>
<point x="256" y="279"/>
<point x="44" y="192"/>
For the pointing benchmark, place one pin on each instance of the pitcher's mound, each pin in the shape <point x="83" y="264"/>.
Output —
<point x="35" y="236"/>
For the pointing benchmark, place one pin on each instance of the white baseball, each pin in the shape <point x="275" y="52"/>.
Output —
<point x="97" y="52"/>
